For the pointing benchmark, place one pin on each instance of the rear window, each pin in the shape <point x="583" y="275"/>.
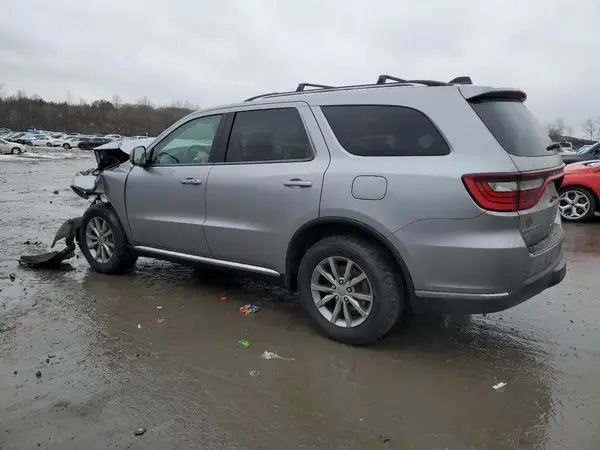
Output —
<point x="514" y="127"/>
<point x="380" y="130"/>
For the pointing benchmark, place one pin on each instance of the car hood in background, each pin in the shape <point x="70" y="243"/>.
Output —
<point x="582" y="167"/>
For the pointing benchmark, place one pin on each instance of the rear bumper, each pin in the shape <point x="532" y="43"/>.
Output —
<point x="464" y="303"/>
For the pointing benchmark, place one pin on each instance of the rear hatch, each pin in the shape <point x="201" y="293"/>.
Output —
<point x="527" y="143"/>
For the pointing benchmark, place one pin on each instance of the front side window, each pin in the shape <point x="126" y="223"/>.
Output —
<point x="268" y="135"/>
<point x="381" y="130"/>
<point x="191" y="143"/>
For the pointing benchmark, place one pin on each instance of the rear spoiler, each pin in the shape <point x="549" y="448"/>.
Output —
<point x="483" y="93"/>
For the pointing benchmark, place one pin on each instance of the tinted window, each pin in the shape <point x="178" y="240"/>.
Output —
<point x="191" y="143"/>
<point x="378" y="130"/>
<point x="514" y="127"/>
<point x="268" y="135"/>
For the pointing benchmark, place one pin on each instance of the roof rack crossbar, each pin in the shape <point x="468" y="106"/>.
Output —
<point x="461" y="80"/>
<point x="382" y="79"/>
<point x="303" y="86"/>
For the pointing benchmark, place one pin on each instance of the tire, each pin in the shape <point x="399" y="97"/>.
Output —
<point x="580" y="194"/>
<point x="48" y="144"/>
<point x="386" y="286"/>
<point x="66" y="146"/>
<point x="15" y="151"/>
<point x="122" y="259"/>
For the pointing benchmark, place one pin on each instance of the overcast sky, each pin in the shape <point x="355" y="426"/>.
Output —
<point x="220" y="51"/>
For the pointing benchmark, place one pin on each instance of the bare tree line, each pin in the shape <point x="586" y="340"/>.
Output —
<point x="101" y="116"/>
<point x="590" y="129"/>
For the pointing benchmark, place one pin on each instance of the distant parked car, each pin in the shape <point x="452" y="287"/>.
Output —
<point x="93" y="143"/>
<point x="590" y="153"/>
<point x="7" y="147"/>
<point x="67" y="142"/>
<point x="580" y="191"/>
<point x="113" y="137"/>
<point x="42" y="141"/>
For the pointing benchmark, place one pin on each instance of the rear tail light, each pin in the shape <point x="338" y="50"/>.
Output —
<point x="510" y="192"/>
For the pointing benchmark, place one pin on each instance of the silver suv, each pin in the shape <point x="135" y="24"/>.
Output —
<point x="368" y="200"/>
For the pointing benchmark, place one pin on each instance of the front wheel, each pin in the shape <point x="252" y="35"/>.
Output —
<point x="351" y="289"/>
<point x="66" y="146"/>
<point x="49" y="144"/>
<point x="15" y="151"/>
<point x="103" y="241"/>
<point x="577" y="204"/>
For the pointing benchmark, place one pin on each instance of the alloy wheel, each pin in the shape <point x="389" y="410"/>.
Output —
<point x="573" y="204"/>
<point x="100" y="239"/>
<point x="342" y="292"/>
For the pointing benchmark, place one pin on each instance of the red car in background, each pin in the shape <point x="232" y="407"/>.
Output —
<point x="580" y="191"/>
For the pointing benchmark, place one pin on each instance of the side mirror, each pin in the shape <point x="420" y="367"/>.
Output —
<point x="137" y="157"/>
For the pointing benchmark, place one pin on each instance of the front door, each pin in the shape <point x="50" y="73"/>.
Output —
<point x="165" y="200"/>
<point x="268" y="186"/>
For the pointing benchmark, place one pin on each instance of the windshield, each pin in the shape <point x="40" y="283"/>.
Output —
<point x="591" y="148"/>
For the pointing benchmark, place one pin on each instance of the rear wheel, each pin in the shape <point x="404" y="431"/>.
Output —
<point x="48" y="144"/>
<point x="350" y="289"/>
<point x="15" y="151"/>
<point x="103" y="241"/>
<point x="577" y="204"/>
<point x="66" y="146"/>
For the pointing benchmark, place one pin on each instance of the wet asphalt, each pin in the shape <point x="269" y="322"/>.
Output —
<point x="158" y="349"/>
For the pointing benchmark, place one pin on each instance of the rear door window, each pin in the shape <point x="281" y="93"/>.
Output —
<point x="268" y="135"/>
<point x="381" y="130"/>
<point x="515" y="128"/>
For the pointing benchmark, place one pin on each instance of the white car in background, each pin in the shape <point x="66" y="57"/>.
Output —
<point x="7" y="147"/>
<point x="114" y="137"/>
<point x="42" y="141"/>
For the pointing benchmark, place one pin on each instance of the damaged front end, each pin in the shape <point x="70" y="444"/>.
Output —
<point x="111" y="158"/>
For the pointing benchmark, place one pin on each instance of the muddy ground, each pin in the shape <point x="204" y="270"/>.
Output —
<point x="112" y="361"/>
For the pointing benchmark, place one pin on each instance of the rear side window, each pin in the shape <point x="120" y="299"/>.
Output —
<point x="515" y="128"/>
<point x="380" y="130"/>
<point x="268" y="135"/>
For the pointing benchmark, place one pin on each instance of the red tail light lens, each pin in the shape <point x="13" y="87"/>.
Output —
<point x="509" y="192"/>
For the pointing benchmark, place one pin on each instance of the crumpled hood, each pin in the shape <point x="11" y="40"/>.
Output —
<point x="114" y="157"/>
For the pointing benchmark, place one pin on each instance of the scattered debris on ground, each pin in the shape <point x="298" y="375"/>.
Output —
<point x="4" y="327"/>
<point x="383" y="439"/>
<point x="244" y="343"/>
<point x="38" y="374"/>
<point x="55" y="192"/>
<point x="223" y="299"/>
<point x="139" y="431"/>
<point x="250" y="309"/>
<point x="499" y="385"/>
<point x="140" y="326"/>
<point x="254" y="373"/>
<point x="28" y="242"/>
<point x="159" y="307"/>
<point x="12" y="277"/>
<point x="274" y="355"/>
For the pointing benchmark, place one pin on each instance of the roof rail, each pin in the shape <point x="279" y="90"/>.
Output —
<point x="302" y="86"/>
<point x="382" y="79"/>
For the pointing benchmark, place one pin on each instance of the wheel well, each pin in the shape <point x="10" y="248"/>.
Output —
<point x="314" y="232"/>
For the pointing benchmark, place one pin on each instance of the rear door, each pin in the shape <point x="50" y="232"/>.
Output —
<point x="526" y="141"/>
<point x="268" y="186"/>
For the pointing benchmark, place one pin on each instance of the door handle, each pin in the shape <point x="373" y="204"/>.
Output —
<point x="191" y="181"/>
<point x="297" y="182"/>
